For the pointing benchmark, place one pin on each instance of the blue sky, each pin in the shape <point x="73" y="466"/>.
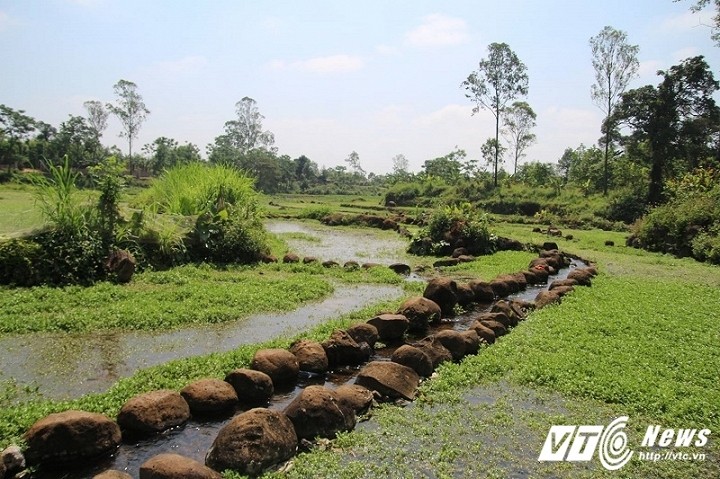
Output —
<point x="377" y="77"/>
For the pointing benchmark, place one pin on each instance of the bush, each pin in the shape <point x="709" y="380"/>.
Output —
<point x="403" y="194"/>
<point x="626" y="206"/>
<point x="227" y="238"/>
<point x="452" y="227"/>
<point x="19" y="261"/>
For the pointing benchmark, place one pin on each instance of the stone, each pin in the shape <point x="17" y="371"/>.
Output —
<point x="355" y="397"/>
<point x="317" y="412"/>
<point x="498" y="316"/>
<point x="472" y="341"/>
<point x="390" y="327"/>
<point x="550" y="245"/>
<point x="446" y="262"/>
<point x="497" y="327"/>
<point x="252" y="442"/>
<point x="122" y="264"/>
<point x="500" y="288"/>
<point x="12" y="459"/>
<point x="330" y="264"/>
<point x="173" y="466"/>
<point x="70" y="436"/>
<point x="562" y="282"/>
<point x="209" y="396"/>
<point x="453" y="341"/>
<point x="435" y="350"/>
<point x="443" y="292"/>
<point x="342" y="350"/>
<point x="485" y="334"/>
<point x="420" y="312"/>
<point x="280" y="364"/>
<point x="482" y="291"/>
<point x="545" y="298"/>
<point x="291" y="258"/>
<point x="309" y="260"/>
<point x="351" y="265"/>
<point x="252" y="387"/>
<point x="364" y="333"/>
<point x="389" y="379"/>
<point x="310" y="355"/>
<point x="582" y="275"/>
<point x="459" y="252"/>
<point x="465" y="295"/>
<point x="400" y="268"/>
<point x="414" y="358"/>
<point x="112" y="474"/>
<point x="153" y="412"/>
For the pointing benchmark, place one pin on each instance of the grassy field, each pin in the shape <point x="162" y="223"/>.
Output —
<point x="643" y="341"/>
<point x="19" y="215"/>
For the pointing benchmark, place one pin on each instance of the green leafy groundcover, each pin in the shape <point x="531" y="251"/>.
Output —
<point x="158" y="300"/>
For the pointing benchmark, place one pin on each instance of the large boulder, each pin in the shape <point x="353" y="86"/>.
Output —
<point x="70" y="436"/>
<point x="252" y="387"/>
<point x="501" y="287"/>
<point x="153" y="412"/>
<point x="545" y="298"/>
<point x="12" y="460"/>
<point x="442" y="291"/>
<point x="389" y="379"/>
<point x="310" y="355"/>
<point x="342" y="350"/>
<point x="121" y="263"/>
<point x="355" y="397"/>
<point x="390" y="327"/>
<point x="173" y="466"/>
<point x="583" y="276"/>
<point x="291" y="258"/>
<point x="400" y="268"/>
<point x="364" y="333"/>
<point x="280" y="364"/>
<point x="435" y="350"/>
<point x="414" y="358"/>
<point x="453" y="341"/>
<point x="209" y="396"/>
<point x="421" y="312"/>
<point x="472" y="341"/>
<point x="562" y="282"/>
<point x="465" y="295"/>
<point x="482" y="291"/>
<point x="499" y="317"/>
<point x="317" y="412"/>
<point x="498" y="328"/>
<point x="252" y="442"/>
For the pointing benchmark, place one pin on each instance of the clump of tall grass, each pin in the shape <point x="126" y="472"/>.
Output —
<point x="196" y="188"/>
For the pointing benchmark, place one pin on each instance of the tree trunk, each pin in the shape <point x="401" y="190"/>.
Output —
<point x="497" y="144"/>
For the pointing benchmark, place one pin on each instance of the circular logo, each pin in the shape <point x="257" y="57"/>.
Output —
<point x="614" y="451"/>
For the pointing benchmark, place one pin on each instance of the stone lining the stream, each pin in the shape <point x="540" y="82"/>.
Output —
<point x="387" y="380"/>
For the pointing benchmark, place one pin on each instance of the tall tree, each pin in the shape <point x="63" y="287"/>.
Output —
<point x="15" y="126"/>
<point x="130" y="110"/>
<point x="97" y="117"/>
<point x="353" y="161"/>
<point x="616" y="64"/>
<point x="246" y="132"/>
<point x="499" y="79"/>
<point x="677" y="120"/>
<point x="519" y="122"/>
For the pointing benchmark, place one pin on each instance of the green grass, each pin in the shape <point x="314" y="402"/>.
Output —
<point x="19" y="214"/>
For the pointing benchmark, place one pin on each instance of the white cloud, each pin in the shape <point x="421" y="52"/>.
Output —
<point x="684" y="54"/>
<point x="438" y="30"/>
<point x="323" y="65"/>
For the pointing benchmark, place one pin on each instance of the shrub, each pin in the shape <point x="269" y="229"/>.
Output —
<point x="451" y="227"/>
<point x="403" y="194"/>
<point x="19" y="262"/>
<point x="227" y="238"/>
<point x="626" y="206"/>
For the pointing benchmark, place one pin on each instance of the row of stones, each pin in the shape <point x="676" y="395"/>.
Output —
<point x="317" y="411"/>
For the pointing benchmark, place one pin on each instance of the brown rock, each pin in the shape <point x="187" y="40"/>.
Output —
<point x="421" y="312"/>
<point x="310" y="355"/>
<point x="400" y="268"/>
<point x="112" y="474"/>
<point x="510" y="282"/>
<point x="12" y="460"/>
<point x="485" y="334"/>
<point x="545" y="298"/>
<point x="351" y="265"/>
<point x="309" y="260"/>
<point x="291" y="258"/>
<point x="460" y="252"/>
<point x="563" y="290"/>
<point x="414" y="358"/>
<point x="121" y="263"/>
<point x="505" y="308"/>
<point x="435" y="350"/>
<point x="317" y="412"/>
<point x="482" y="290"/>
<point x="209" y="396"/>
<point x="389" y="379"/>
<point x="173" y="466"/>
<point x="355" y="397"/>
<point x="443" y="292"/>
<point x="70" y="436"/>
<point x="252" y="442"/>
<point x="499" y="317"/>
<point x="472" y="341"/>
<point x="466" y="258"/>
<point x="465" y="295"/>
<point x="562" y="282"/>
<point x="280" y="364"/>
<point x="390" y="327"/>
<point x="342" y="350"/>
<point x="364" y="333"/>
<point x="153" y="412"/>
<point x="330" y="264"/>
<point x="446" y="262"/>
<point x="500" y="288"/>
<point x="582" y="276"/>
<point x="252" y="387"/>
<point x="497" y="327"/>
<point x="453" y="341"/>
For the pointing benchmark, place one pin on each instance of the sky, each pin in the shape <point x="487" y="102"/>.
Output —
<point x="381" y="78"/>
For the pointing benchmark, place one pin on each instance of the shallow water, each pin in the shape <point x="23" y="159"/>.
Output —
<point x="65" y="366"/>
<point x="363" y="245"/>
